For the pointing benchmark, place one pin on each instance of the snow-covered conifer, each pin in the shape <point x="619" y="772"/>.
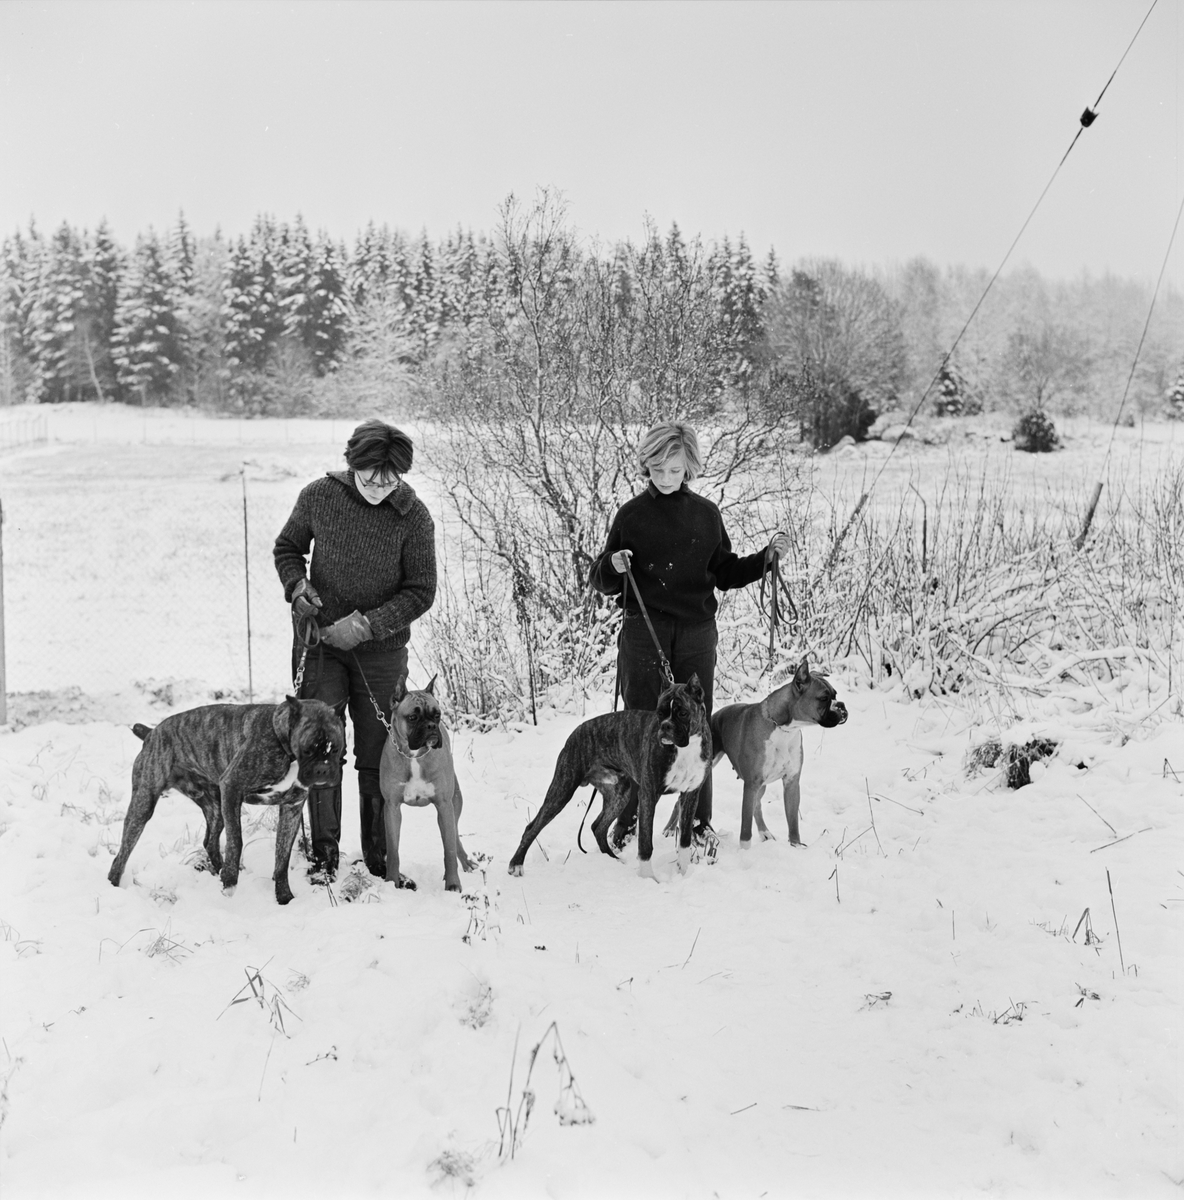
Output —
<point x="148" y="344"/>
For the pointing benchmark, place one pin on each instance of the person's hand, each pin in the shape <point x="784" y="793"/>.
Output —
<point x="621" y="561"/>
<point x="305" y="601"/>
<point x="779" y="546"/>
<point x="348" y="632"/>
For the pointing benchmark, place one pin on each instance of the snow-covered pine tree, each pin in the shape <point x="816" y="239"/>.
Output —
<point x="462" y="280"/>
<point x="104" y="263"/>
<point x="180" y="253"/>
<point x="770" y="272"/>
<point x="20" y="265"/>
<point x="370" y="265"/>
<point x="293" y="254"/>
<point x="204" y="323"/>
<point x="59" y="369"/>
<point x="739" y="296"/>
<point x="425" y="313"/>
<point x="148" y="344"/>
<point x="1175" y="398"/>
<point x="328" y="308"/>
<point x="179" y="256"/>
<point x="253" y="316"/>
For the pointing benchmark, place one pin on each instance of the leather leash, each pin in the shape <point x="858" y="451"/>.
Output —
<point x="663" y="661"/>
<point x="777" y="586"/>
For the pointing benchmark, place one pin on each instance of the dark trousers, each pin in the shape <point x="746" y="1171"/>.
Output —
<point x="690" y="649"/>
<point x="357" y="675"/>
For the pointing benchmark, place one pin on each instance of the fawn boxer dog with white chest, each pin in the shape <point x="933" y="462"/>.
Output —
<point x="763" y="742"/>
<point x="417" y="769"/>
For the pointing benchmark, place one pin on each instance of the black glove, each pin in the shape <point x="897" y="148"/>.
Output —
<point x="305" y="601"/>
<point x="348" y="632"/>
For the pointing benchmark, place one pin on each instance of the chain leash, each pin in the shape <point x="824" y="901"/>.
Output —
<point x="373" y="700"/>
<point x="309" y="633"/>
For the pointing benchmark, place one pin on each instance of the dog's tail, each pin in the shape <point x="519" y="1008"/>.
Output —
<point x="580" y="832"/>
<point x="141" y="731"/>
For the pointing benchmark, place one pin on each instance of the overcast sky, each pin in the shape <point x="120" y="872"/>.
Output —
<point x="870" y="131"/>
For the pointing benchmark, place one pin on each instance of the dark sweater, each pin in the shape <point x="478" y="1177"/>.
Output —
<point x="377" y="558"/>
<point x="681" y="554"/>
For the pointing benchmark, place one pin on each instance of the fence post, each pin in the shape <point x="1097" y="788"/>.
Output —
<point x="3" y="674"/>
<point x="247" y="581"/>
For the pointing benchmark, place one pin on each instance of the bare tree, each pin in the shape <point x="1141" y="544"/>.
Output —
<point x="541" y="404"/>
<point x="840" y="326"/>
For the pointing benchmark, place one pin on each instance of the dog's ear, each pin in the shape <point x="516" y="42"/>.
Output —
<point x="801" y="677"/>
<point x="285" y="716"/>
<point x="431" y="688"/>
<point x="399" y="692"/>
<point x="694" y="688"/>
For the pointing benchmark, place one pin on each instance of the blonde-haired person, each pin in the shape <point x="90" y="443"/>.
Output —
<point x="679" y="553"/>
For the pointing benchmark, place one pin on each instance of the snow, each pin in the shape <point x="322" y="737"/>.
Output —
<point x="951" y="989"/>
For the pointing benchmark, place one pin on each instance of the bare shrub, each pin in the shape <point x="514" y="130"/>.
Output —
<point x="540" y="409"/>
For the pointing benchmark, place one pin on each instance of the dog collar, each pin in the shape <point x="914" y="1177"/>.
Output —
<point x="410" y="755"/>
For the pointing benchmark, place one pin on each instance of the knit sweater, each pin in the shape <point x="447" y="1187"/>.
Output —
<point x="377" y="558"/>
<point x="681" y="554"/>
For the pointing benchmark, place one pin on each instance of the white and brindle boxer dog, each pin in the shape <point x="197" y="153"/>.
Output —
<point x="417" y="769"/>
<point x="223" y="756"/>
<point x="668" y="750"/>
<point x="763" y="742"/>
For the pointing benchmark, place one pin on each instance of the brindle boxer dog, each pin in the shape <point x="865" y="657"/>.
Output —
<point x="664" y="751"/>
<point x="225" y="755"/>
<point x="763" y="741"/>
<point x="416" y="769"/>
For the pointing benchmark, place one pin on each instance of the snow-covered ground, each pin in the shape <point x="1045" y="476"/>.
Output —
<point x="953" y="989"/>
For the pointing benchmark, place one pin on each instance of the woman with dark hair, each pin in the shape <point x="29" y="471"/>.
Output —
<point x="372" y="572"/>
<point x="679" y="553"/>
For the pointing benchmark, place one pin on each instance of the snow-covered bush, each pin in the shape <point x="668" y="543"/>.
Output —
<point x="1035" y="432"/>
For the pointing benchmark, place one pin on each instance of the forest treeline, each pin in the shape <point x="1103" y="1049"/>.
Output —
<point x="282" y="321"/>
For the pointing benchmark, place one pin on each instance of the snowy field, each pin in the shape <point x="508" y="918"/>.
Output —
<point x="954" y="989"/>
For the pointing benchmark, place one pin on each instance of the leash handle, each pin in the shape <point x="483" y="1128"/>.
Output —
<point x="309" y="634"/>
<point x="774" y="611"/>
<point x="777" y="588"/>
<point x="663" y="661"/>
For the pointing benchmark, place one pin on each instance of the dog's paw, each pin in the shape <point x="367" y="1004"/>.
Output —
<point x="228" y="890"/>
<point x="284" y="896"/>
<point x="646" y="870"/>
<point x="452" y="887"/>
<point x="405" y="881"/>
<point x="516" y="870"/>
<point x="766" y="836"/>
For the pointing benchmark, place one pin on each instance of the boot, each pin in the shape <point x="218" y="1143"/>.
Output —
<point x="324" y="819"/>
<point x="373" y="834"/>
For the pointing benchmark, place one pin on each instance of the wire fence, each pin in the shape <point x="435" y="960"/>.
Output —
<point x="132" y="551"/>
<point x="23" y="430"/>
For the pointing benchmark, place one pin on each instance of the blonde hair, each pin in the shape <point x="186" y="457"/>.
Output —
<point x="664" y="441"/>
